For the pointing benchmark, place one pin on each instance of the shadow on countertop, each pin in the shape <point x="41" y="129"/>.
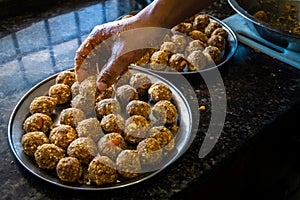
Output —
<point x="10" y="8"/>
<point x="267" y="167"/>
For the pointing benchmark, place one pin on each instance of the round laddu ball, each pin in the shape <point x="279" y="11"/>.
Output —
<point x="166" y="38"/>
<point x="164" y="137"/>
<point x="190" y="19"/>
<point x="112" y="123"/>
<point x="106" y="107"/>
<point x="71" y="116"/>
<point x="62" y="135"/>
<point x="168" y="47"/>
<point x="102" y="170"/>
<point x="75" y="89"/>
<point x="221" y="32"/>
<point x="195" y="45"/>
<point x="198" y="35"/>
<point x="136" y="128"/>
<point x="149" y="150"/>
<point x="178" y="62"/>
<point x="37" y="122"/>
<point x="83" y="103"/>
<point x="197" y="61"/>
<point x="141" y="83"/>
<point x="90" y="127"/>
<point x="138" y="107"/>
<point x="111" y="145"/>
<point x="201" y="21"/>
<point x="214" y="53"/>
<point x="159" y="60"/>
<point x="69" y="169"/>
<point x="129" y="164"/>
<point x="88" y="87"/>
<point x="83" y="148"/>
<point x="164" y="112"/>
<point x="211" y="27"/>
<point x="31" y="140"/>
<point x="209" y="61"/>
<point x="48" y="155"/>
<point x="106" y="94"/>
<point x="125" y="94"/>
<point x="43" y="104"/>
<point x="217" y="41"/>
<point x="61" y="92"/>
<point x="180" y="42"/>
<point x="66" y="77"/>
<point x="160" y="91"/>
<point x="144" y="60"/>
<point x="183" y="27"/>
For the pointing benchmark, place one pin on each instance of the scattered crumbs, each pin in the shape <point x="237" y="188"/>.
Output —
<point x="202" y="108"/>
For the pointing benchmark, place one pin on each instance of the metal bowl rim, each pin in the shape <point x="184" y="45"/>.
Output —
<point x="252" y="19"/>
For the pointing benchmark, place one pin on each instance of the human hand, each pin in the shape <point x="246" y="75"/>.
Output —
<point x="111" y="48"/>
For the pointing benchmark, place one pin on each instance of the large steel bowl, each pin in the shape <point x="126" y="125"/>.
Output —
<point x="283" y="38"/>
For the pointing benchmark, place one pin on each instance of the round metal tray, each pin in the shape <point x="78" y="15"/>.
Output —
<point x="183" y="138"/>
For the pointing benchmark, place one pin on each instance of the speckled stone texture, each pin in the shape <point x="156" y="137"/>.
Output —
<point x="259" y="89"/>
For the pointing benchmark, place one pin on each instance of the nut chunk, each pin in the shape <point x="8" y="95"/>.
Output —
<point x="102" y="170"/>
<point x="48" y="155"/>
<point x="69" y="169"/>
<point x="30" y="141"/>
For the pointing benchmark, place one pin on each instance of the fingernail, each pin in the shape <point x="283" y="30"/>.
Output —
<point x="101" y="86"/>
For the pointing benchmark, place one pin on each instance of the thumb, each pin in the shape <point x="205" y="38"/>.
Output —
<point x="116" y="66"/>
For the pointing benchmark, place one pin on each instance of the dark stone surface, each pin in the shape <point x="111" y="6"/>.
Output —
<point x="260" y="92"/>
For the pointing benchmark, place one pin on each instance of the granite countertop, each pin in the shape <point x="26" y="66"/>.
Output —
<point x="259" y="91"/>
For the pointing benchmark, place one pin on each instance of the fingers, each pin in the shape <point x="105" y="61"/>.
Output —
<point x="117" y="65"/>
<point x="85" y="51"/>
<point x="109" y="74"/>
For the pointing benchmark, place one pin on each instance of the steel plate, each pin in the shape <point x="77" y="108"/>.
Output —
<point x="227" y="54"/>
<point x="183" y="138"/>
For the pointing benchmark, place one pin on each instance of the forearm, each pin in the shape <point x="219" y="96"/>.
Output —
<point x="168" y="13"/>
